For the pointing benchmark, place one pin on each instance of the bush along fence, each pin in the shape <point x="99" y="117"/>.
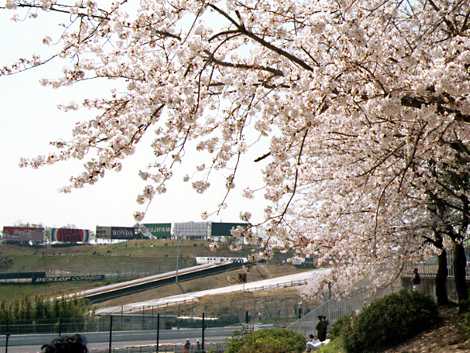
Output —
<point x="388" y="321"/>
<point x="40" y="314"/>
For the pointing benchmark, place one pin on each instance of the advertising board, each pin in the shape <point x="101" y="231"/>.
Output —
<point x="123" y="233"/>
<point x="224" y="229"/>
<point x="70" y="235"/>
<point x="159" y="230"/>
<point x="115" y="232"/>
<point x="103" y="232"/>
<point x="23" y="234"/>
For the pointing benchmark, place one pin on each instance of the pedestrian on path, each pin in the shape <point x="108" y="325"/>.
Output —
<point x="187" y="346"/>
<point x="416" y="281"/>
<point x="322" y="327"/>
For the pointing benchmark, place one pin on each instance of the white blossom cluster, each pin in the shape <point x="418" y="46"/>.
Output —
<point x="354" y="96"/>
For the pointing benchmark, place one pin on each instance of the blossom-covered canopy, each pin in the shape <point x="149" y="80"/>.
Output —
<point x="348" y="99"/>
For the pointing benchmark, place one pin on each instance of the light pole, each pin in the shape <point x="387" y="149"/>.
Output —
<point x="177" y="257"/>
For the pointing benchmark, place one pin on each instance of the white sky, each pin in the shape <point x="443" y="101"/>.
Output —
<point x="29" y="119"/>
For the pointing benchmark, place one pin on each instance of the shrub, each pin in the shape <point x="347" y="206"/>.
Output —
<point x="390" y="321"/>
<point x="334" y="346"/>
<point x="275" y="340"/>
<point x="341" y="326"/>
<point x="464" y="324"/>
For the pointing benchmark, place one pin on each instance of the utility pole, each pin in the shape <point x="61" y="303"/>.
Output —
<point x="203" y="331"/>
<point x="158" y="333"/>
<point x="178" y="240"/>
<point x="110" y="348"/>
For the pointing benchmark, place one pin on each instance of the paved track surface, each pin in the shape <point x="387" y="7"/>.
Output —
<point x="296" y="279"/>
<point x="122" y="288"/>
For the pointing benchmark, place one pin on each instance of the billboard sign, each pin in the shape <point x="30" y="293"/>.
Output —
<point x="123" y="233"/>
<point x="70" y="235"/>
<point x="224" y="229"/>
<point x="103" y="232"/>
<point x="158" y="230"/>
<point x="115" y="232"/>
<point x="23" y="234"/>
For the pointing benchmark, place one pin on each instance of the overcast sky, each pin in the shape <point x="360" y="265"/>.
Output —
<point x="29" y="119"/>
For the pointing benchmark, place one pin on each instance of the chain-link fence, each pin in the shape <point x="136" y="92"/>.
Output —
<point x="145" y="327"/>
<point x="334" y="309"/>
<point x="429" y="268"/>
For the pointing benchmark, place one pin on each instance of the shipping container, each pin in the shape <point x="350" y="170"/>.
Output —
<point x="23" y="234"/>
<point x="114" y="233"/>
<point x="158" y="230"/>
<point x="224" y="229"/>
<point x="70" y="235"/>
<point x="191" y="230"/>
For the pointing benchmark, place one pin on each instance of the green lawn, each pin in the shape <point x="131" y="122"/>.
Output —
<point x="137" y="256"/>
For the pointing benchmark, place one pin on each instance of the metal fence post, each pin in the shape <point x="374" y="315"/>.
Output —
<point x="110" y="334"/>
<point x="122" y="319"/>
<point x="60" y="327"/>
<point x="7" y="336"/>
<point x="143" y="317"/>
<point x="158" y="332"/>
<point x="203" y="331"/>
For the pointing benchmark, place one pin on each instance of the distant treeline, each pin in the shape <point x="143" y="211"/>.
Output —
<point x="40" y="309"/>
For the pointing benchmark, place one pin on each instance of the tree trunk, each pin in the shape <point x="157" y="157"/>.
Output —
<point x="460" y="262"/>
<point x="441" y="279"/>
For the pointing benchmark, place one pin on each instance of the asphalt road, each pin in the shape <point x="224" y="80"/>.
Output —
<point x="276" y="282"/>
<point x="104" y="345"/>
<point x="31" y="343"/>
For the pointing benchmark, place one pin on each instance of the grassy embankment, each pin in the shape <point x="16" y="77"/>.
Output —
<point x="279" y="302"/>
<point x="139" y="257"/>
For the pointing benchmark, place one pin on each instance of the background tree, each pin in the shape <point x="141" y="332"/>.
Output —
<point x="343" y="101"/>
<point x="450" y="206"/>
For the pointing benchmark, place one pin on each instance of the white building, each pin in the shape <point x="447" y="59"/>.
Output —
<point x="191" y="230"/>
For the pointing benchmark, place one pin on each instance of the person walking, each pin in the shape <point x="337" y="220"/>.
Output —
<point x="322" y="327"/>
<point x="187" y="346"/>
<point x="416" y="281"/>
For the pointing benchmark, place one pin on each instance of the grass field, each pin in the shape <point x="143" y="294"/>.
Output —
<point x="17" y="291"/>
<point x="142" y="256"/>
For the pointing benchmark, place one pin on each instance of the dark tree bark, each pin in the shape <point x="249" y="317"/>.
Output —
<point x="441" y="279"/>
<point x="460" y="263"/>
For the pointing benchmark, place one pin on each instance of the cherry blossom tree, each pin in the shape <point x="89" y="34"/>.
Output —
<point x="346" y="101"/>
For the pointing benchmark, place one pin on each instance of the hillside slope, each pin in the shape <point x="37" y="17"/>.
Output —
<point x="447" y="338"/>
<point x="128" y="260"/>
